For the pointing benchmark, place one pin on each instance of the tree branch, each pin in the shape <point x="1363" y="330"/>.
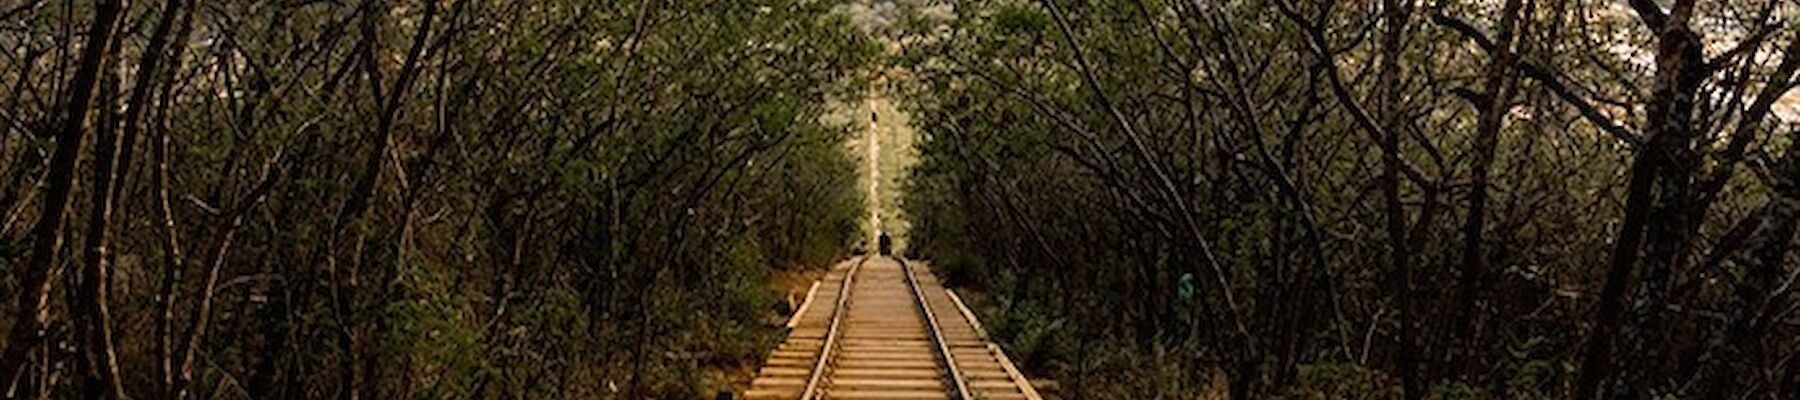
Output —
<point x="1651" y="14"/>
<point x="1546" y="78"/>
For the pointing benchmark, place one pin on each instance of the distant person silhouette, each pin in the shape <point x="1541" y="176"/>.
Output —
<point x="887" y="244"/>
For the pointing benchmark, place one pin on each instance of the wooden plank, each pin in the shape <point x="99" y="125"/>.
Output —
<point x="831" y="336"/>
<point x="956" y="378"/>
<point x="1012" y="371"/>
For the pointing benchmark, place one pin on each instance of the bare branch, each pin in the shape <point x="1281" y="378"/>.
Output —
<point x="1546" y="78"/>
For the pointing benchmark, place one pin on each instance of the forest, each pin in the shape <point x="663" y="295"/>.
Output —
<point x="411" y="199"/>
<point x="1369" y="199"/>
<point x="1141" y="199"/>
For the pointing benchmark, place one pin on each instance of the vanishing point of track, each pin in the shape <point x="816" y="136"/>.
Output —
<point x="882" y="328"/>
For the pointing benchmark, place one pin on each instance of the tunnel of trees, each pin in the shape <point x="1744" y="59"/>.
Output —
<point x="1383" y="199"/>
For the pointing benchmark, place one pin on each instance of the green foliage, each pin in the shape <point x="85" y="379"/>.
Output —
<point x="1020" y="20"/>
<point x="1079" y="157"/>
<point x="1344" y="381"/>
<point x="549" y="199"/>
<point x="1032" y="332"/>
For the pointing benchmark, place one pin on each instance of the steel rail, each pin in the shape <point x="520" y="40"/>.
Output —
<point x="794" y="321"/>
<point x="814" y="383"/>
<point x="959" y="386"/>
<point x="1012" y="371"/>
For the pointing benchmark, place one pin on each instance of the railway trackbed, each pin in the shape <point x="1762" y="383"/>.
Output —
<point x="883" y="328"/>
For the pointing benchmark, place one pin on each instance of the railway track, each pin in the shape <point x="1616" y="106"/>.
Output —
<point x="883" y="328"/>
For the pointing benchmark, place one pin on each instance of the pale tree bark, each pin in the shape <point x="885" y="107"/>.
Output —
<point x="112" y="167"/>
<point x="177" y="15"/>
<point x="99" y="361"/>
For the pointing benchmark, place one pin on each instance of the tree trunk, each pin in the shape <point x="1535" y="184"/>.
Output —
<point x="1743" y="352"/>
<point x="1597" y="361"/>
<point x="1396" y="17"/>
<point x="1665" y="163"/>
<point x="99" y="361"/>
<point x="1681" y="70"/>
<point x="34" y="301"/>
<point x="1497" y="94"/>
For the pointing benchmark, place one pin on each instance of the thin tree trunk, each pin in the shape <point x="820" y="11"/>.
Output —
<point x="1738" y="358"/>
<point x="388" y="101"/>
<point x="1664" y="163"/>
<point x="1497" y="94"/>
<point x="1720" y="366"/>
<point x="1668" y="239"/>
<point x="1395" y="16"/>
<point x="147" y="87"/>
<point x="201" y="318"/>
<point x="1166" y="185"/>
<point x="34" y="301"/>
<point x="1597" y="361"/>
<point x="99" y="360"/>
<point x="174" y="263"/>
